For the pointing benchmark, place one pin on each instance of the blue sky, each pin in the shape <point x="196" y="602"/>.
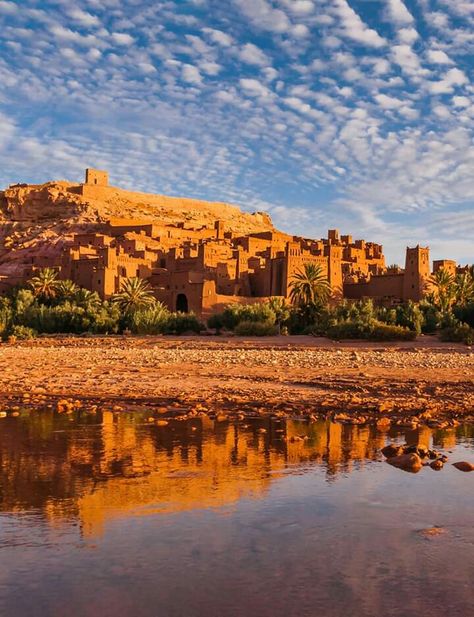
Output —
<point x="356" y="114"/>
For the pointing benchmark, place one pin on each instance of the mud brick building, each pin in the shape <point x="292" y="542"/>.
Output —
<point x="204" y="267"/>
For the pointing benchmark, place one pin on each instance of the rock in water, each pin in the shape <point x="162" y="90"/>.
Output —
<point x="407" y="462"/>
<point x="390" y="451"/>
<point x="464" y="466"/>
<point x="437" y="465"/>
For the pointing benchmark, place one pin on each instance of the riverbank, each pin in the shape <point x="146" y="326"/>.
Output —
<point x="408" y="383"/>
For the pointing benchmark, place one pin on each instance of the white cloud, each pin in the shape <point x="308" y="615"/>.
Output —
<point x="453" y="78"/>
<point x="219" y="37"/>
<point x="388" y="102"/>
<point x="354" y="28"/>
<point x="438" y="56"/>
<point x="190" y="74"/>
<point x="406" y="58"/>
<point x="461" y="101"/>
<point x="84" y="18"/>
<point x="253" y="87"/>
<point x="398" y="13"/>
<point x="263" y="16"/>
<point x="251" y="54"/>
<point x="122" y="38"/>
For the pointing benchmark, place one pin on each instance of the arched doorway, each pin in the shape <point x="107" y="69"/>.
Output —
<point x="182" y="303"/>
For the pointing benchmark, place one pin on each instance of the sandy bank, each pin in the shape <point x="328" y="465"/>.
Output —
<point x="426" y="381"/>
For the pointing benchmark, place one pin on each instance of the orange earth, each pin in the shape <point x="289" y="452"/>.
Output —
<point x="425" y="382"/>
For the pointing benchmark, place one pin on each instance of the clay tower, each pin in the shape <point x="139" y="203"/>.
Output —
<point x="417" y="271"/>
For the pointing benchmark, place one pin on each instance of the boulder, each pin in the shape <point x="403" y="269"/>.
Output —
<point x="408" y="462"/>
<point x="464" y="466"/>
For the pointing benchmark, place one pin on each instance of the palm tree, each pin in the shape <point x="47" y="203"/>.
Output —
<point x="309" y="286"/>
<point x="45" y="284"/>
<point x="464" y="288"/>
<point x="87" y="299"/>
<point x="442" y="283"/>
<point x="135" y="294"/>
<point x="67" y="289"/>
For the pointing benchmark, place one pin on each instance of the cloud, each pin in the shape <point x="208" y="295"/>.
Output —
<point x="406" y="58"/>
<point x="263" y="16"/>
<point x="190" y="74"/>
<point x="253" y="87"/>
<point x="354" y="28"/>
<point x="251" y="54"/>
<point x="122" y="38"/>
<point x="398" y="13"/>
<point x="452" y="79"/>
<point x="438" y="56"/>
<point x="84" y="18"/>
<point x="219" y="37"/>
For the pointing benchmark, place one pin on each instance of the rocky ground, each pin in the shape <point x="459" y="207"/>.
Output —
<point x="411" y="383"/>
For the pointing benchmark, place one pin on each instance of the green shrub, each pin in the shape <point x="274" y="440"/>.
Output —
<point x="216" y="322"/>
<point x="23" y="333"/>
<point x="256" y="328"/>
<point x="410" y="316"/>
<point x="180" y="323"/>
<point x="152" y="320"/>
<point x="460" y="333"/>
<point x="431" y="317"/>
<point x="375" y="331"/>
<point x="347" y="330"/>
<point x="234" y="314"/>
<point x="386" y="332"/>
<point x="465" y="313"/>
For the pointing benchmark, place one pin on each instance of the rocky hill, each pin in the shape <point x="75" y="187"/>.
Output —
<point x="37" y="221"/>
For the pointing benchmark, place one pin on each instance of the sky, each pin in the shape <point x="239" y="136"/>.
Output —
<point x="348" y="114"/>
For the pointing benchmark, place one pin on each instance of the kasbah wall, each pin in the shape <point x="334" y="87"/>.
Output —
<point x="202" y="270"/>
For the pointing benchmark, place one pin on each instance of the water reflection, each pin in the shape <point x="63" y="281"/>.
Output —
<point x="94" y="468"/>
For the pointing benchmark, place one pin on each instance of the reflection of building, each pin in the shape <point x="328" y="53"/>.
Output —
<point x="123" y="465"/>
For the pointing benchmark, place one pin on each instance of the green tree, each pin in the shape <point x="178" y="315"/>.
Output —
<point x="87" y="299"/>
<point x="443" y="287"/>
<point x="464" y="288"/>
<point x="310" y="286"/>
<point x="66" y="290"/>
<point x="45" y="285"/>
<point x="135" y="295"/>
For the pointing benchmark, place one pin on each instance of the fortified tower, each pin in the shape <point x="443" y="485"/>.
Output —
<point x="417" y="272"/>
<point x="96" y="177"/>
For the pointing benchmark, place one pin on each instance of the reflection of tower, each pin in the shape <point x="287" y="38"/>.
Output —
<point x="417" y="271"/>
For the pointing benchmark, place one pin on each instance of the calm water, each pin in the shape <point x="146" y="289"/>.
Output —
<point x="111" y="515"/>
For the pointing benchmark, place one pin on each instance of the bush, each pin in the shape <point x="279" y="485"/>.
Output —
<point x="460" y="333"/>
<point x="216" y="322"/>
<point x="385" y="332"/>
<point x="234" y="314"/>
<point x="23" y="333"/>
<point x="152" y="320"/>
<point x="375" y="331"/>
<point x="465" y="314"/>
<point x="410" y="316"/>
<point x="431" y="317"/>
<point x="256" y="328"/>
<point x="180" y="323"/>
